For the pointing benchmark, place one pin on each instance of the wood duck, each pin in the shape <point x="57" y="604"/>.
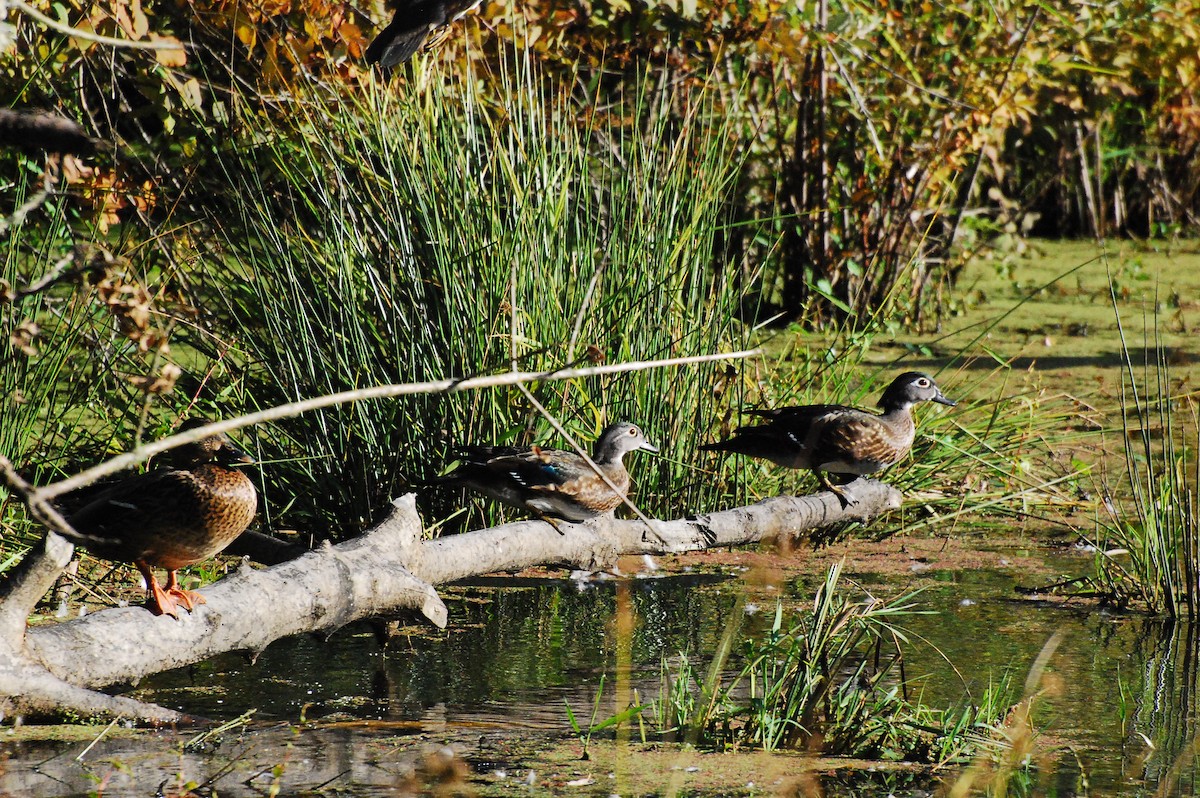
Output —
<point x="548" y="482"/>
<point x="172" y="517"/>
<point x="833" y="439"/>
<point x="412" y="23"/>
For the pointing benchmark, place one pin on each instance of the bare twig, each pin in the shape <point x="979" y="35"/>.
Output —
<point x="76" y="33"/>
<point x="36" y="499"/>
<point x="148" y="450"/>
<point x="56" y="273"/>
<point x="587" y="458"/>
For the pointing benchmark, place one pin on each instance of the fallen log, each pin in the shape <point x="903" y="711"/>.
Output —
<point x="387" y="570"/>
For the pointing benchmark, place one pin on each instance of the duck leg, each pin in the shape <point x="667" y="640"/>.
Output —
<point x="158" y="601"/>
<point x="837" y="489"/>
<point x="188" y="598"/>
<point x="549" y="520"/>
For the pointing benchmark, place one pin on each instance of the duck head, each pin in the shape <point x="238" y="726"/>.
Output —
<point x="910" y="388"/>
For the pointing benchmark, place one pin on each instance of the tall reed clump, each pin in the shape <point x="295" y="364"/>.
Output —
<point x="1148" y="540"/>
<point x="82" y="345"/>
<point x="441" y="230"/>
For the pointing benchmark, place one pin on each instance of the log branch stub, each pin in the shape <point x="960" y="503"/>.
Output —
<point x="265" y="549"/>
<point x="28" y="689"/>
<point x="24" y="585"/>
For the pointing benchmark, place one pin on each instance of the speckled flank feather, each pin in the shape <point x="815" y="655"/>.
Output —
<point x="171" y="518"/>
<point x="549" y="482"/>
<point x="836" y="439"/>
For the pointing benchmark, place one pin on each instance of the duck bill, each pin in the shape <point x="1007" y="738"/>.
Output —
<point x="234" y="454"/>
<point x="941" y="399"/>
<point x="648" y="446"/>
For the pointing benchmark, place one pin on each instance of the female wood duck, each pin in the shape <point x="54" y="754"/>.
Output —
<point x="833" y="439"/>
<point x="548" y="482"/>
<point x="172" y="517"/>
<point x="413" y="22"/>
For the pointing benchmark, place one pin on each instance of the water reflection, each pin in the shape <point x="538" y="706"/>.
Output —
<point x="515" y="651"/>
<point x="1162" y="706"/>
<point x="507" y="642"/>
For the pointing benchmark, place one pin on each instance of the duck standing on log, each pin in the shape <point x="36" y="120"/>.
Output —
<point x="171" y="517"/>
<point x="552" y="483"/>
<point x="837" y="440"/>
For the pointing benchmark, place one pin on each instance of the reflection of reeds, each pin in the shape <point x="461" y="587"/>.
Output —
<point x="829" y="681"/>
<point x="1004" y="768"/>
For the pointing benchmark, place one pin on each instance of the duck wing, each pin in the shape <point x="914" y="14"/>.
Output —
<point x="541" y="469"/>
<point x="116" y="523"/>
<point x="858" y="443"/>
<point x="521" y="468"/>
<point x="786" y="437"/>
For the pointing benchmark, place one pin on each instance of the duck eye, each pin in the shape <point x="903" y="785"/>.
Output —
<point x="924" y="383"/>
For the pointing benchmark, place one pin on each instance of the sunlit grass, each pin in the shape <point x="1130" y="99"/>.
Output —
<point x="391" y="237"/>
<point x="1147" y="536"/>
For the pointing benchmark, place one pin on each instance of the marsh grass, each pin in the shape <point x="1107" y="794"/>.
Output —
<point x="395" y="236"/>
<point x="54" y="373"/>
<point x="829" y="681"/>
<point x="1147" y="537"/>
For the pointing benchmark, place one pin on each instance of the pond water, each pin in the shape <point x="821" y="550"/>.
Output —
<point x="352" y="714"/>
<point x="358" y="713"/>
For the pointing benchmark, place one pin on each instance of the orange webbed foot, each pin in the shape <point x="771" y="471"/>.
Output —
<point x="159" y="601"/>
<point x="188" y="598"/>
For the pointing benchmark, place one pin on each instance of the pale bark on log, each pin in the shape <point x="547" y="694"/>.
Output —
<point x="387" y="570"/>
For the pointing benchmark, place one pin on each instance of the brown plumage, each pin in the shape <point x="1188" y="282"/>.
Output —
<point x="172" y="517"/>
<point x="552" y="483"/>
<point x="414" y="22"/>
<point x="839" y="440"/>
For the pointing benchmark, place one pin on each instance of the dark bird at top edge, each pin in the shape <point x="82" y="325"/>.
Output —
<point x="838" y="440"/>
<point x="412" y="23"/>
<point x="171" y="517"/>
<point x="549" y="482"/>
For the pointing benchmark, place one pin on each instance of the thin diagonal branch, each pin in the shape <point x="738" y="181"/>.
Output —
<point x="148" y="450"/>
<point x="76" y="33"/>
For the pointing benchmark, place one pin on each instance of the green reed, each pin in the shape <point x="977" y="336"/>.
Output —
<point x="62" y="350"/>
<point x="827" y="680"/>
<point x="1148" y="537"/>
<point x="399" y="235"/>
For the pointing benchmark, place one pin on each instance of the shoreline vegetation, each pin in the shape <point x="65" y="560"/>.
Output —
<point x="853" y="189"/>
